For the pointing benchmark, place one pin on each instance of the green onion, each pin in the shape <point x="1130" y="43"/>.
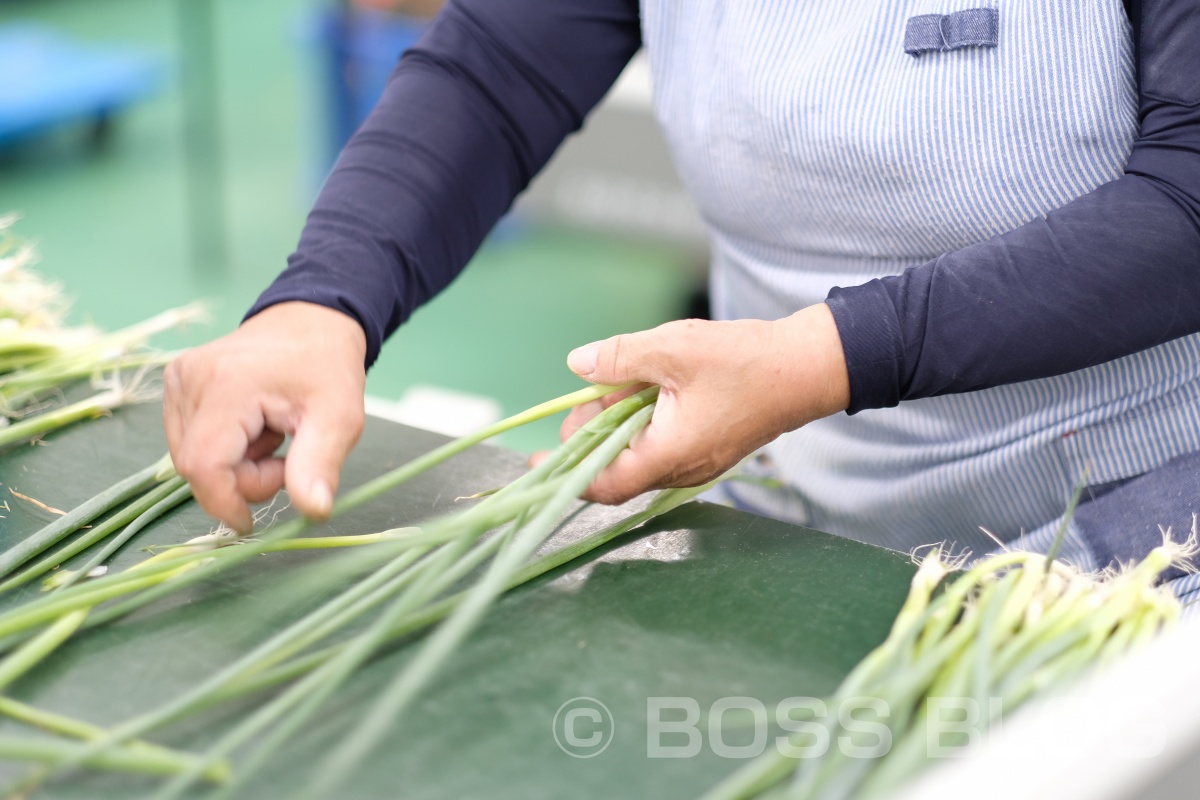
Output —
<point x="1012" y="626"/>
<point x="160" y="579"/>
<point x="98" y="405"/>
<point x="80" y="516"/>
<point x="161" y="499"/>
<point x="433" y="652"/>
<point x="151" y="505"/>
<point x="77" y="729"/>
<point x="143" y="760"/>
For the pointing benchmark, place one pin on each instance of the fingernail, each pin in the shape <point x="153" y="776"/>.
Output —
<point x="582" y="360"/>
<point x="322" y="497"/>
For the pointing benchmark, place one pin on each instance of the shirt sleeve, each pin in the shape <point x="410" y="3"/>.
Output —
<point x="469" y="116"/>
<point x="1109" y="274"/>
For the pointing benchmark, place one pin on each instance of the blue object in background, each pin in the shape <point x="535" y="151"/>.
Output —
<point x="48" y="80"/>
<point x="360" y="50"/>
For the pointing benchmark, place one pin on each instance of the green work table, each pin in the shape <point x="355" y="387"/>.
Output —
<point x="704" y="603"/>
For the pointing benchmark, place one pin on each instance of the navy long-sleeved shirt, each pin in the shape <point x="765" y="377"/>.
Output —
<point x="479" y="105"/>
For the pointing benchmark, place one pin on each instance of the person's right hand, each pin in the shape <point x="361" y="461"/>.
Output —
<point x="294" y="369"/>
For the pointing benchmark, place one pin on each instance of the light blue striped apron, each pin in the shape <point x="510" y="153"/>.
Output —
<point x="821" y="154"/>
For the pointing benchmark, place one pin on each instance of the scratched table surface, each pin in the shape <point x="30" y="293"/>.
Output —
<point x="704" y="603"/>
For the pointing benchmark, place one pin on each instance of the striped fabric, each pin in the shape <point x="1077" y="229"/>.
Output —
<point x="821" y="154"/>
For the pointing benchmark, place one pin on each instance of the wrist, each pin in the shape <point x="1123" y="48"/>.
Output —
<point x="297" y="319"/>
<point x="814" y="377"/>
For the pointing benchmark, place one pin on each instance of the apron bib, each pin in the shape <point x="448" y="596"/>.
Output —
<point x="820" y="153"/>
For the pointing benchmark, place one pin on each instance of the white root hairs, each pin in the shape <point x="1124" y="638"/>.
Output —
<point x="1183" y="554"/>
<point x="941" y="553"/>
<point x="994" y="538"/>
<point x="223" y="535"/>
<point x="140" y="387"/>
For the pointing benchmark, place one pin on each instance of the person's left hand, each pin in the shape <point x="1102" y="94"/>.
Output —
<point x="728" y="388"/>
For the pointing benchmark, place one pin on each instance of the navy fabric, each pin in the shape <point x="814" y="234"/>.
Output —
<point x="470" y="115"/>
<point x="1125" y="523"/>
<point x="972" y="27"/>
<point x="480" y="104"/>
<point x="1111" y="273"/>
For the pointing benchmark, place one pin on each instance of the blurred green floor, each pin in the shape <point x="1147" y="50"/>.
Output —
<point x="111" y="224"/>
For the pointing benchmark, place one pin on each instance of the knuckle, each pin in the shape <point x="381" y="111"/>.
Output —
<point x="610" y="497"/>
<point x="355" y="422"/>
<point x="222" y="372"/>
<point x="612" y="355"/>
<point x="185" y="463"/>
<point x="606" y="491"/>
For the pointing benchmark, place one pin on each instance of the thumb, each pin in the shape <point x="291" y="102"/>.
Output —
<point x="314" y="461"/>
<point x="627" y="358"/>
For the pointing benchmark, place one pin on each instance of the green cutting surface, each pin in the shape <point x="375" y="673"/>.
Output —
<point x="704" y="603"/>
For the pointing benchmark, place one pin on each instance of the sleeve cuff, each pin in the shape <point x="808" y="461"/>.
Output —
<point x="287" y="289"/>
<point x="872" y="342"/>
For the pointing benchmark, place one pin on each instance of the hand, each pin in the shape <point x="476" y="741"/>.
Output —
<point x="294" y="369"/>
<point x="728" y="388"/>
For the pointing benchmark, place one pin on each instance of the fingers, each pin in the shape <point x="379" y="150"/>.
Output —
<point x="727" y="388"/>
<point x="664" y="453"/>
<point x="229" y="404"/>
<point x="628" y="357"/>
<point x="629" y="475"/>
<point x="259" y="481"/>
<point x="259" y="476"/>
<point x="173" y="407"/>
<point x="265" y="445"/>
<point x="584" y="413"/>
<point x="638" y="469"/>
<point x="207" y="458"/>
<point x="327" y="431"/>
<point x="578" y="417"/>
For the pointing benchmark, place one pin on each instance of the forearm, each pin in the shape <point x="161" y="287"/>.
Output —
<point x="1109" y="274"/>
<point x="469" y="116"/>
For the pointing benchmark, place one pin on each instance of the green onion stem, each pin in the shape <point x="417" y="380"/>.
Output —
<point x="355" y="498"/>
<point x="19" y="389"/>
<point x="150" y="505"/>
<point x="16" y="555"/>
<point x="176" y="492"/>
<point x="478" y="600"/>
<point x="78" y="729"/>
<point x="32" y="652"/>
<point x="444" y="569"/>
<point x="338" y="542"/>
<point x="227" y="556"/>
<point x="292" y="708"/>
<point x="194" y="699"/>
<point x="26" y="617"/>
<point x="157" y="586"/>
<point x="97" y="405"/>
<point x="663" y="502"/>
<point x="67" y="524"/>
<point x="146" y="761"/>
<point x="372" y="489"/>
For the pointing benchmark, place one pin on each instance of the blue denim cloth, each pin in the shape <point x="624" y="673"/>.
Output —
<point x="1125" y="522"/>
<point x="1115" y="522"/>
<point x="973" y="27"/>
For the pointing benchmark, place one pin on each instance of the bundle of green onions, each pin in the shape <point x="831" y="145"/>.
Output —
<point x="1011" y="626"/>
<point x="448" y="573"/>
<point x="40" y="356"/>
<point x="1008" y="627"/>
<point x="26" y="301"/>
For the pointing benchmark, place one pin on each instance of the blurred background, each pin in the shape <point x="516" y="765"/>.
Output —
<point x="163" y="151"/>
